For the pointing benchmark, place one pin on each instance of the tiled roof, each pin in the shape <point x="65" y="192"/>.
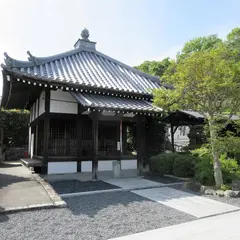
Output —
<point x="107" y="102"/>
<point x="193" y="113"/>
<point x="85" y="66"/>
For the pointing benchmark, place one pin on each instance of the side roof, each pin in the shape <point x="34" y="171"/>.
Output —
<point x="85" y="66"/>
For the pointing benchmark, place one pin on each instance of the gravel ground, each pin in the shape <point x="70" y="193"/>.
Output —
<point x="232" y="201"/>
<point x="92" y="217"/>
<point x="73" y="186"/>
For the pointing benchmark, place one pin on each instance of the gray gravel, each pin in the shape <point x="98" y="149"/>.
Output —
<point x="232" y="201"/>
<point x="73" y="186"/>
<point x="100" y="216"/>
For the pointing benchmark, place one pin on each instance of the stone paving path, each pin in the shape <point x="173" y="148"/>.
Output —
<point x="222" y="227"/>
<point x="186" y="202"/>
<point x="19" y="189"/>
<point x="133" y="183"/>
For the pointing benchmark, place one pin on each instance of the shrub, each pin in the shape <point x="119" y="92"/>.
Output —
<point x="183" y="165"/>
<point x="204" y="166"/>
<point x="162" y="163"/>
<point x="230" y="169"/>
<point x="204" y="172"/>
<point x="225" y="187"/>
<point x="15" y="126"/>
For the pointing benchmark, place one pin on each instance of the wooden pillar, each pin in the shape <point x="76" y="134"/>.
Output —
<point x="79" y="141"/>
<point x="172" y="138"/>
<point x="46" y="131"/>
<point x="95" y="145"/>
<point x="140" y="135"/>
<point x="36" y="140"/>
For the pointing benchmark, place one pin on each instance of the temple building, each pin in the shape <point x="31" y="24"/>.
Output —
<point x="86" y="109"/>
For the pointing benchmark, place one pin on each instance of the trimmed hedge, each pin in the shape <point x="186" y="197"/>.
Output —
<point x="162" y="163"/>
<point x="184" y="165"/>
<point x="15" y="127"/>
<point x="173" y="163"/>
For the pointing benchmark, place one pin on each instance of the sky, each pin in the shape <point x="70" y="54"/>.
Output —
<point x="130" y="31"/>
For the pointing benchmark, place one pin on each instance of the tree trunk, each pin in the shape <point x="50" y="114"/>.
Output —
<point x="216" y="162"/>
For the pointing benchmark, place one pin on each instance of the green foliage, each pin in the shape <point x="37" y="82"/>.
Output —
<point x="15" y="126"/>
<point x="199" y="44"/>
<point x="163" y="163"/>
<point x="225" y="187"/>
<point x="229" y="168"/>
<point x="204" y="167"/>
<point x="233" y="39"/>
<point x="183" y="166"/>
<point x="156" y="68"/>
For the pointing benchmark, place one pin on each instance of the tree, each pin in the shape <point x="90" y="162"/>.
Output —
<point x="233" y="38"/>
<point x="156" y="68"/>
<point x="207" y="81"/>
<point x="199" y="44"/>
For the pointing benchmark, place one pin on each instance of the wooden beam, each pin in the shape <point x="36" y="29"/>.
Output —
<point x="46" y="130"/>
<point x="95" y="145"/>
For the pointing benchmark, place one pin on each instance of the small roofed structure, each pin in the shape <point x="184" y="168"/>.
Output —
<point x="186" y="118"/>
<point x="83" y="105"/>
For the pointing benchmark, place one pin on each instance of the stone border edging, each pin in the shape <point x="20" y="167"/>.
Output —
<point x="56" y="199"/>
<point x="77" y="194"/>
<point x="27" y="207"/>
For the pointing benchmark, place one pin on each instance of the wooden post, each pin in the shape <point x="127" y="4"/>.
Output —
<point x="95" y="145"/>
<point x="172" y="138"/>
<point x="46" y="131"/>
<point x="139" y="138"/>
<point x="36" y="140"/>
<point x="79" y="140"/>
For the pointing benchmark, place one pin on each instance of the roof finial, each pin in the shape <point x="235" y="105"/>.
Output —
<point x="8" y="60"/>
<point x="85" y="34"/>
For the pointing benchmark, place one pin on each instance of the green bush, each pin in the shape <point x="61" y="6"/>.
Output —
<point x="204" y="166"/>
<point x="162" y="163"/>
<point x="15" y="127"/>
<point x="230" y="169"/>
<point x="183" y="165"/>
<point x="204" y="172"/>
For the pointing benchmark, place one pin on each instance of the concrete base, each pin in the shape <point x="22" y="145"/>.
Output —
<point x="87" y="176"/>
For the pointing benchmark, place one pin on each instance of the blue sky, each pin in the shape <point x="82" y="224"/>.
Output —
<point x="129" y="30"/>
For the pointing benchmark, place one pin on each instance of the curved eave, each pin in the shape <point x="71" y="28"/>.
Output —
<point x="36" y="61"/>
<point x="70" y="85"/>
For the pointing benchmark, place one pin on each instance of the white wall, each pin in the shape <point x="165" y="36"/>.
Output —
<point x="128" y="164"/>
<point x="62" y="167"/>
<point x="63" y="102"/>
<point x="106" y="165"/>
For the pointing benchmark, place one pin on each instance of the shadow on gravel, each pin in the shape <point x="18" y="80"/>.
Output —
<point x="161" y="179"/>
<point x="91" y="205"/>
<point x="73" y="186"/>
<point x="3" y="216"/>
